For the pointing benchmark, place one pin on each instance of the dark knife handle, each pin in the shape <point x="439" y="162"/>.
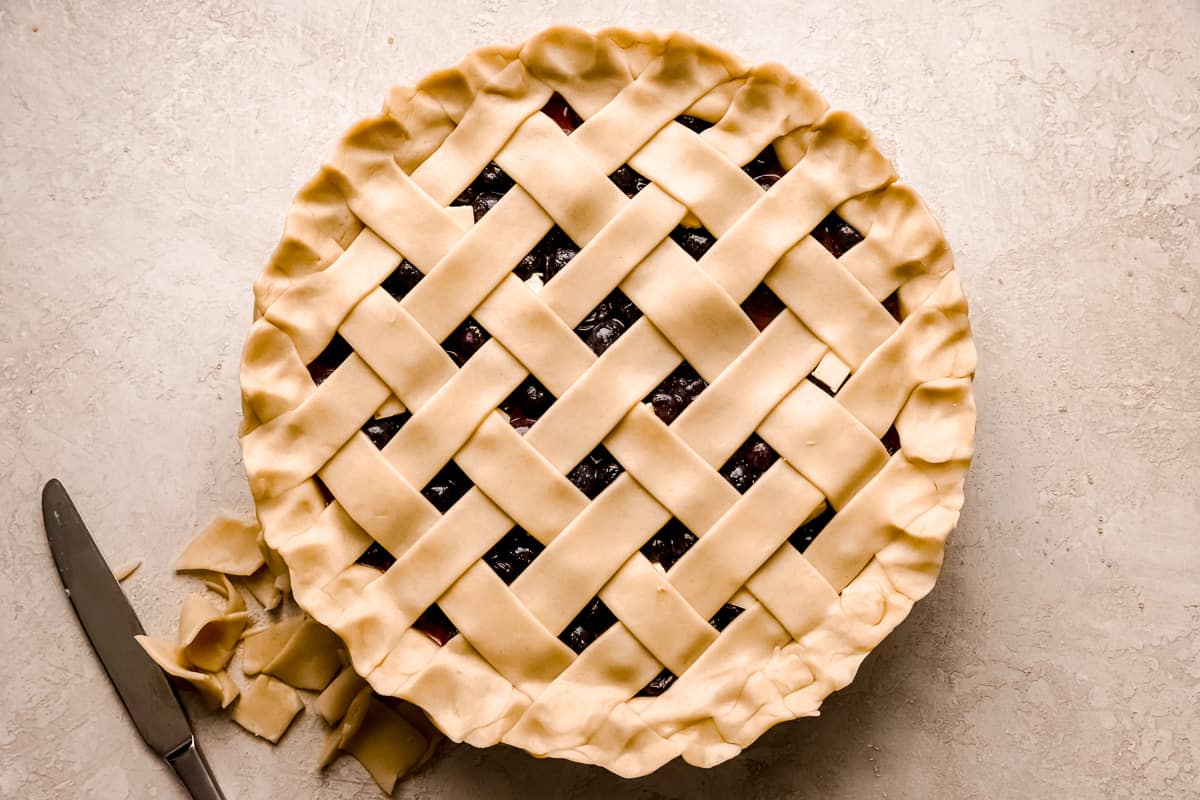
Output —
<point x="194" y="772"/>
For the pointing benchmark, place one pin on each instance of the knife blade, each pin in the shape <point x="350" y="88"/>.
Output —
<point x="110" y="624"/>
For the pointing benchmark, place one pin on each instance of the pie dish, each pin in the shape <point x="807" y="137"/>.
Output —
<point x="609" y="398"/>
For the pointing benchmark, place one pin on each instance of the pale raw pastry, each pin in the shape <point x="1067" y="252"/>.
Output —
<point x="227" y="545"/>
<point x="345" y="726"/>
<point x="276" y="567"/>
<point x="338" y="695"/>
<point x="208" y="634"/>
<point x="261" y="644"/>
<point x="217" y="688"/>
<point x="267" y="708"/>
<point x="125" y="570"/>
<point x="388" y="741"/>
<point x="382" y="740"/>
<point x="644" y="454"/>
<point x="264" y="587"/>
<point x="308" y="659"/>
<point x="297" y="650"/>
<point x="205" y="642"/>
<point x="386" y="744"/>
<point x="236" y="547"/>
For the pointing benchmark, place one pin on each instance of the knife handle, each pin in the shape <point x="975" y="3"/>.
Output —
<point x="194" y="773"/>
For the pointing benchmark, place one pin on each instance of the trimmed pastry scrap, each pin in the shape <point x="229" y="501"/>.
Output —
<point x="227" y="545"/>
<point x="334" y="701"/>
<point x="125" y="570"/>
<point x="386" y="744"/>
<point x="207" y="634"/>
<point x="262" y="643"/>
<point x="307" y="658"/>
<point x="267" y="708"/>
<point x="293" y="653"/>
<point x="217" y="688"/>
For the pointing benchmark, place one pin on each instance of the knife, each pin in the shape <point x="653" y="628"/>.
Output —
<point x="110" y="625"/>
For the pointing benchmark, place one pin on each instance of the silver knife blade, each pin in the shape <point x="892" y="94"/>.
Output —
<point x="111" y="624"/>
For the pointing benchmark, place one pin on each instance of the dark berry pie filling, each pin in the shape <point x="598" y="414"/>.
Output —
<point x="588" y="625"/>
<point x="694" y="124"/>
<point x="548" y="257"/>
<point x="663" y="680"/>
<point x="465" y="340"/>
<point x="378" y="557"/>
<point x="485" y="191"/>
<point x="509" y="557"/>
<point x="659" y="684"/>
<point x="892" y="304"/>
<point x="436" y="625"/>
<point x="381" y="430"/>
<point x="765" y="168"/>
<point x="725" y="616"/>
<point x="669" y="544"/>
<point x="447" y="487"/>
<point x="526" y="404"/>
<point x="805" y="534"/>
<point x="836" y="235"/>
<point x="694" y="241"/>
<point x="606" y="322"/>
<point x="762" y="306"/>
<point x="676" y="392"/>
<point x="629" y="180"/>
<point x="556" y="108"/>
<point x="402" y="280"/>
<point x="594" y="474"/>
<point x="748" y="464"/>
<point x="329" y="359"/>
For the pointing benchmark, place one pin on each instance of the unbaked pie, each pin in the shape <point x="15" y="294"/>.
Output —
<point x="609" y="398"/>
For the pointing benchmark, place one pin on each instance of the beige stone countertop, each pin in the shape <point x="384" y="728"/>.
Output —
<point x="149" y="153"/>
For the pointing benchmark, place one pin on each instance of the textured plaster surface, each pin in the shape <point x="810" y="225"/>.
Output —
<point x="148" y="154"/>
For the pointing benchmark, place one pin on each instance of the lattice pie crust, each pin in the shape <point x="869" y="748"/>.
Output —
<point x="690" y="604"/>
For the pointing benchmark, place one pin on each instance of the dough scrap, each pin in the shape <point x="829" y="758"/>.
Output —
<point x="294" y="653"/>
<point x="217" y="688"/>
<point x="262" y="644"/>
<point x="335" y="701"/>
<point x="309" y="658"/>
<point x="207" y="634"/>
<point x="125" y="570"/>
<point x="262" y="586"/>
<point x="227" y="545"/>
<point x="267" y="708"/>
<point x="386" y="744"/>
<point x="354" y="715"/>
<point x="381" y="739"/>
